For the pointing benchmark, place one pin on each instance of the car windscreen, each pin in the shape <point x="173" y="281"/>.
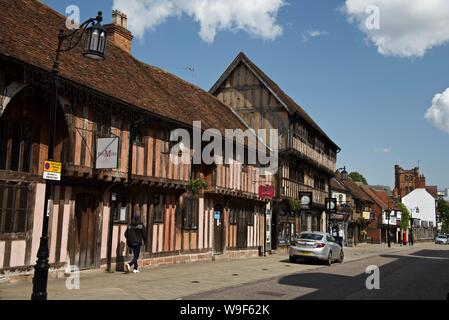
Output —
<point x="311" y="236"/>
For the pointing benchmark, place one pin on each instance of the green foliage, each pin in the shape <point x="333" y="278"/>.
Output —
<point x="358" y="177"/>
<point x="405" y="221"/>
<point x="196" y="185"/>
<point x="295" y="204"/>
<point x="443" y="210"/>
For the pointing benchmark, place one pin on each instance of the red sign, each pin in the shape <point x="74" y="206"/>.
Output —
<point x="266" y="192"/>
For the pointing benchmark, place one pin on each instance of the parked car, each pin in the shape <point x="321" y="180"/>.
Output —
<point x="316" y="246"/>
<point x="442" y="239"/>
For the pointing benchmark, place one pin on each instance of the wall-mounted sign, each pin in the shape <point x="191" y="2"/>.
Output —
<point x="217" y="215"/>
<point x="331" y="205"/>
<point x="266" y="192"/>
<point x="52" y="170"/>
<point x="306" y="199"/>
<point x="107" y="153"/>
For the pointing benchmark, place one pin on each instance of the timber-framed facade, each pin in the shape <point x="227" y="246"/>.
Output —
<point x="307" y="155"/>
<point x="107" y="99"/>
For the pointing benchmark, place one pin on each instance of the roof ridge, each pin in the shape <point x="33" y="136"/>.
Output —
<point x="286" y="100"/>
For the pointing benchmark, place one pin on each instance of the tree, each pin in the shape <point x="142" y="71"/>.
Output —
<point x="405" y="217"/>
<point x="443" y="210"/>
<point x="357" y="177"/>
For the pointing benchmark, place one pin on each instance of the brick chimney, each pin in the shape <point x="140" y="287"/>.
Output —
<point x="118" y="32"/>
<point x="421" y="182"/>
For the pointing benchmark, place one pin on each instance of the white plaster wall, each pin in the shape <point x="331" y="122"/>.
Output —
<point x="424" y="201"/>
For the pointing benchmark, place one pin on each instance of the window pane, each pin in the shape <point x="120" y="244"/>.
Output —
<point x="21" y="221"/>
<point x="9" y="221"/>
<point x="23" y="204"/>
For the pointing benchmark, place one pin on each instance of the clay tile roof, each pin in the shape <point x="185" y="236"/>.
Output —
<point x="375" y="197"/>
<point x="433" y="190"/>
<point x="28" y="33"/>
<point x="292" y="106"/>
<point x="337" y="185"/>
<point x="356" y="190"/>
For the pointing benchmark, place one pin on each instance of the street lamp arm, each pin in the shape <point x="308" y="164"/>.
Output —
<point x="74" y="37"/>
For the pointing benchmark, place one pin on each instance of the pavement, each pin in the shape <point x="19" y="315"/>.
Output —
<point x="269" y="278"/>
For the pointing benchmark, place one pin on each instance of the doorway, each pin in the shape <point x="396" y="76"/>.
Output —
<point x="218" y="229"/>
<point x="83" y="248"/>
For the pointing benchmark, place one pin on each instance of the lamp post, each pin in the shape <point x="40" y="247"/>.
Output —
<point x="94" y="48"/>
<point x="343" y="176"/>
<point x="412" y="220"/>
<point x="388" y="214"/>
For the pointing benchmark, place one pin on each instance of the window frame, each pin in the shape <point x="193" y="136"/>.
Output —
<point x="158" y="208"/>
<point x="190" y="214"/>
<point x="15" y="209"/>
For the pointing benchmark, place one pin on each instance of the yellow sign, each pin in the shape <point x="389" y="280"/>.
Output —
<point x="53" y="167"/>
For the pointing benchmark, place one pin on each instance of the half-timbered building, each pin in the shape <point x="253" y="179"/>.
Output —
<point x="307" y="155"/>
<point x="137" y="104"/>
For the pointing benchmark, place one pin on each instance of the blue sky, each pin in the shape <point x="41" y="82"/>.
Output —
<point x="371" y="104"/>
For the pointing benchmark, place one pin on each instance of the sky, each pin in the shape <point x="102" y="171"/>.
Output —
<point x="372" y="73"/>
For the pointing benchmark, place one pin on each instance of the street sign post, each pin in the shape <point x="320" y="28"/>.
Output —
<point x="52" y="170"/>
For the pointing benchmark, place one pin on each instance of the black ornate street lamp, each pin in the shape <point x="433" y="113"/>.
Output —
<point x="94" y="48"/>
<point x="343" y="173"/>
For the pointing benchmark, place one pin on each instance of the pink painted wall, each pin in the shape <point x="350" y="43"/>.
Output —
<point x="65" y="224"/>
<point x="18" y="253"/>
<point x="2" y="253"/>
<point x="38" y="215"/>
<point x="105" y="225"/>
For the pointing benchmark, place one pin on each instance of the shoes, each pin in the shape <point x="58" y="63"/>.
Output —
<point x="136" y="271"/>
<point x="127" y="268"/>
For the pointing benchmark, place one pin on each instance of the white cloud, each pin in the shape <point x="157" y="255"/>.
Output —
<point x="306" y="36"/>
<point x="384" y="150"/>
<point x="438" y="113"/>
<point x="408" y="28"/>
<point x="256" y="17"/>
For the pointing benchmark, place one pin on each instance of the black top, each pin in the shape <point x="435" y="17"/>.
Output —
<point x="135" y="234"/>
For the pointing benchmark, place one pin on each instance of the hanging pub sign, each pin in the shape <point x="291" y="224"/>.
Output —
<point x="331" y="205"/>
<point x="107" y="153"/>
<point x="306" y="200"/>
<point x="266" y="192"/>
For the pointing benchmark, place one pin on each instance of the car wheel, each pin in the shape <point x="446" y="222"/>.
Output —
<point x="342" y="257"/>
<point x="293" y="259"/>
<point x="329" y="259"/>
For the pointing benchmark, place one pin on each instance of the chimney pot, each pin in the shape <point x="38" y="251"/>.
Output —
<point x="118" y="31"/>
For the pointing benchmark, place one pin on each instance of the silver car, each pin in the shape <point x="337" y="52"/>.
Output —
<point x="317" y="246"/>
<point x="442" y="239"/>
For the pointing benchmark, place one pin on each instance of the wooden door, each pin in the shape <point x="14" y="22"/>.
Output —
<point x="85" y="223"/>
<point x="218" y="229"/>
<point x="242" y="229"/>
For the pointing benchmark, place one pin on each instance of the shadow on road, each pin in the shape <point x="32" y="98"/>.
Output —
<point x="422" y="275"/>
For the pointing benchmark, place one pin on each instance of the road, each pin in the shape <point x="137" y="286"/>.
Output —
<point x="421" y="274"/>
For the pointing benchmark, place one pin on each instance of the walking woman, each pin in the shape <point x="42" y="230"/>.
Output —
<point x="135" y="235"/>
